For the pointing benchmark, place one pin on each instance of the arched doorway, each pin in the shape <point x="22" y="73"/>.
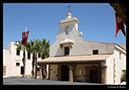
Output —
<point x="64" y="73"/>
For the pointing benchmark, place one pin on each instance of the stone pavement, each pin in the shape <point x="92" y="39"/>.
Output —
<point x="32" y="81"/>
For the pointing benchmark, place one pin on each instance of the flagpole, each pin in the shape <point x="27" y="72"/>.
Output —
<point x="25" y="55"/>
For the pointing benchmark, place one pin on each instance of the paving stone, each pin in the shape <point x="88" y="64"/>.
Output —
<point x="32" y="81"/>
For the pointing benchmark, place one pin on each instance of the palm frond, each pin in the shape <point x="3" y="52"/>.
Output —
<point x="19" y="45"/>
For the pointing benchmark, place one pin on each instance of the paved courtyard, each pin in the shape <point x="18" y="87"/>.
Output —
<point x="31" y="81"/>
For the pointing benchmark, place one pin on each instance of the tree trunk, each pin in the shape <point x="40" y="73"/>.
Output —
<point x="43" y="55"/>
<point x="44" y="67"/>
<point x="33" y="65"/>
<point x="24" y="62"/>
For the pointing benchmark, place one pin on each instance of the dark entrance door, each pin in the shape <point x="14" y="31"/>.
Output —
<point x="64" y="73"/>
<point x="22" y="70"/>
<point x="94" y="76"/>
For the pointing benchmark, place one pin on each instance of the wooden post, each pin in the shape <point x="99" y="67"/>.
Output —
<point x="44" y="72"/>
<point x="49" y="72"/>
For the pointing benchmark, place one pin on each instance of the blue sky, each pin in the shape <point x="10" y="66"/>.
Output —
<point x="96" y="21"/>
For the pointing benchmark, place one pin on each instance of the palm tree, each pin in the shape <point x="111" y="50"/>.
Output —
<point x="44" y="52"/>
<point x="33" y="47"/>
<point x="44" y="48"/>
<point x="36" y="47"/>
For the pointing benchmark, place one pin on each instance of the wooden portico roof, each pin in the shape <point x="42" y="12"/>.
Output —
<point x="74" y="59"/>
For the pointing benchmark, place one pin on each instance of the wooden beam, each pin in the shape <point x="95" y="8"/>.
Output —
<point x="71" y="63"/>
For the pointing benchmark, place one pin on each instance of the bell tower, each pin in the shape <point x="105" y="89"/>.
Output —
<point x="68" y="28"/>
<point x="67" y="37"/>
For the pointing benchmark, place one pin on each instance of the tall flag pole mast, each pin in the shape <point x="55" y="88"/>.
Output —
<point x="24" y="41"/>
<point x="25" y="55"/>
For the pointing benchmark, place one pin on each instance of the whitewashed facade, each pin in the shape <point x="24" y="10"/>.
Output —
<point x="14" y="63"/>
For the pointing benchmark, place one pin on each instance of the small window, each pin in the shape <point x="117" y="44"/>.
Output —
<point x="28" y="55"/>
<point x="17" y="52"/>
<point x="95" y="52"/>
<point x="66" y="51"/>
<point x="17" y="64"/>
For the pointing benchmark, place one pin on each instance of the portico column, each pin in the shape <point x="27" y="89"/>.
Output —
<point x="71" y="77"/>
<point x="44" y="72"/>
<point x="41" y="74"/>
<point x="104" y="74"/>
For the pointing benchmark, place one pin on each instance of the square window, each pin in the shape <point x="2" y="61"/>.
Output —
<point x="95" y="52"/>
<point x="17" y="64"/>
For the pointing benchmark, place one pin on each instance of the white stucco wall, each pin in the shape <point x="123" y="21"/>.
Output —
<point x="123" y="58"/>
<point x="120" y="64"/>
<point x="109" y="64"/>
<point x="6" y="57"/>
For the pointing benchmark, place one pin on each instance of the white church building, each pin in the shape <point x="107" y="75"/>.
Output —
<point x="74" y="59"/>
<point x="71" y="58"/>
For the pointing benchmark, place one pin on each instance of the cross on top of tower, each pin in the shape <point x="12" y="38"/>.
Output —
<point x="69" y="8"/>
